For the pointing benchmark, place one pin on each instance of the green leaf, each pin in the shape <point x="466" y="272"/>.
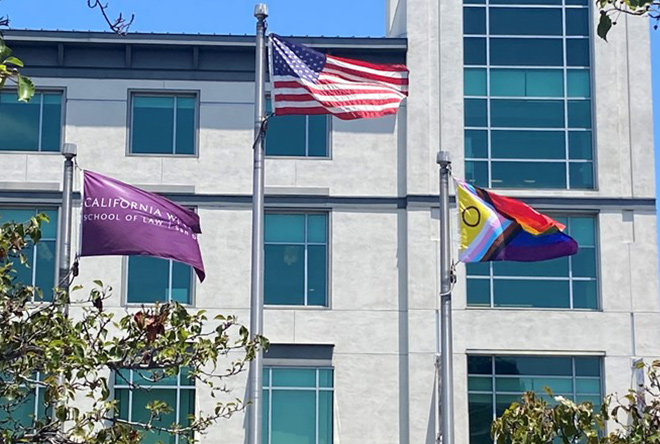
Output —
<point x="25" y="89"/>
<point x="604" y="25"/>
<point x="14" y="61"/>
<point x="4" y="49"/>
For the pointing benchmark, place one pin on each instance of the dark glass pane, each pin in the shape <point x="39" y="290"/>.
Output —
<point x="503" y="402"/>
<point x="480" y="365"/>
<point x="284" y="280"/>
<point x="584" y="262"/>
<point x="474" y="81"/>
<point x="538" y="385"/>
<point x="148" y="279"/>
<point x="286" y="136"/>
<point x="579" y="113"/>
<point x="587" y="386"/>
<point x="181" y="282"/>
<point x="318" y="136"/>
<point x="48" y="229"/>
<point x="583" y="229"/>
<point x="476" y="173"/>
<point x="186" y="407"/>
<point x="587" y="366"/>
<point x="579" y="83"/>
<point x="17" y="413"/>
<point x="528" y="175"/>
<point x="51" y="124"/>
<point x="153" y="125"/>
<point x="480" y="384"/>
<point x="582" y="175"/>
<point x="325" y="377"/>
<point x="580" y="145"/>
<point x="533" y="365"/>
<point x="528" y="145"/>
<point x="531" y="293"/>
<point x="526" y="52"/>
<point x="24" y="272"/>
<point x="478" y="268"/>
<point x="476" y="112"/>
<point x="140" y="413"/>
<point x="317" y="228"/>
<point x="577" y="52"/>
<point x="525" y="21"/>
<point x="554" y="267"/>
<point x="474" y="2"/>
<point x="293" y="416"/>
<point x="577" y="2"/>
<point x="474" y="20"/>
<point x="325" y="417"/>
<point x="19" y="123"/>
<point x="185" y="125"/>
<point x="476" y="144"/>
<point x="577" y="21"/>
<point x="45" y="268"/>
<point x="474" y="51"/>
<point x="525" y="2"/>
<point x="527" y="113"/>
<point x="159" y="377"/>
<point x="480" y="411"/>
<point x="265" y="408"/>
<point x="285" y="228"/>
<point x="527" y="82"/>
<point x="585" y="295"/>
<point x="316" y="275"/>
<point x="294" y="377"/>
<point x="478" y="292"/>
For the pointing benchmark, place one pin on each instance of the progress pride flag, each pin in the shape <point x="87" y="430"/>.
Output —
<point x="120" y="219"/>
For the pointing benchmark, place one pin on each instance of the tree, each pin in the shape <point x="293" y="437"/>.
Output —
<point x="72" y="358"/>
<point x="535" y="421"/>
<point x="611" y="10"/>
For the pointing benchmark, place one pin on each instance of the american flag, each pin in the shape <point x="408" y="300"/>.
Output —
<point x="306" y="81"/>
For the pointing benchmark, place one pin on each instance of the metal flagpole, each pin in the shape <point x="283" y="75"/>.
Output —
<point x="447" y="361"/>
<point x="257" y="282"/>
<point x="69" y="151"/>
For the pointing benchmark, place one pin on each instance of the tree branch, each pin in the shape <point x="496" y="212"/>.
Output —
<point x="120" y="25"/>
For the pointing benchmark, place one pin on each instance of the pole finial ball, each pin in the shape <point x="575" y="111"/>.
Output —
<point x="261" y="10"/>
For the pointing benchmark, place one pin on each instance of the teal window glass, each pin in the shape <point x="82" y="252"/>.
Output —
<point x="530" y="97"/>
<point x="474" y="21"/>
<point x="297" y="136"/>
<point x="297" y="405"/>
<point x="29" y="406"/>
<point x="33" y="126"/>
<point x="525" y="21"/>
<point x="135" y="390"/>
<point x="152" y="279"/>
<point x="296" y="262"/>
<point x="39" y="270"/>
<point x="562" y="283"/>
<point x="494" y="382"/>
<point x="163" y="124"/>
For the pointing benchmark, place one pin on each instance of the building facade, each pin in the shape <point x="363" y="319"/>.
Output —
<point x="544" y="112"/>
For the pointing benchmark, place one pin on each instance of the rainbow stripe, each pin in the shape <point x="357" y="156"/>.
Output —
<point x="498" y="228"/>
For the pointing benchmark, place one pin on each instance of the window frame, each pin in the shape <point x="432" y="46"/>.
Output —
<point x="178" y="387"/>
<point x="191" y="93"/>
<point x="126" y="303"/>
<point x="302" y="365"/>
<point x="565" y="98"/>
<point x="328" y="136"/>
<point x="62" y="90"/>
<point x="491" y="277"/>
<point x="328" y="256"/>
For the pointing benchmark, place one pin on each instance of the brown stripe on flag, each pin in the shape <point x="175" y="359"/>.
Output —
<point x="501" y="241"/>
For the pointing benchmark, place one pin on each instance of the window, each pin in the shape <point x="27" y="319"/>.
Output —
<point x="39" y="270"/>
<point x="566" y="282"/>
<point x="299" y="136"/>
<point x="527" y="78"/>
<point x="494" y="382"/>
<point x="151" y="279"/>
<point x="297" y="407"/>
<point x="163" y="124"/>
<point x="33" y="126"/>
<point x="22" y="412"/>
<point x="177" y="391"/>
<point x="296" y="265"/>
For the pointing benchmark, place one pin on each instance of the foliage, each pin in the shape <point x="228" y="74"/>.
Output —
<point x="535" y="421"/>
<point x="72" y="358"/>
<point x="9" y="70"/>
<point x="611" y="10"/>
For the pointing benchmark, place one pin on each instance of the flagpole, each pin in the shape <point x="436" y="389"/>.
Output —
<point x="257" y="281"/>
<point x="69" y="151"/>
<point x="447" y="362"/>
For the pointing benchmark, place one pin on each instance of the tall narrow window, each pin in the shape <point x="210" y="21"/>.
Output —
<point x="297" y="407"/>
<point x="33" y="126"/>
<point x="297" y="136"/>
<point x="39" y="269"/>
<point x="151" y="279"/>
<point x="134" y="390"/>
<point x="296" y="266"/>
<point x="567" y="282"/>
<point x="494" y="382"/>
<point x="163" y="124"/>
<point x="527" y="78"/>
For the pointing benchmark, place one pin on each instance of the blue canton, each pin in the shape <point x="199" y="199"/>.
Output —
<point x="294" y="60"/>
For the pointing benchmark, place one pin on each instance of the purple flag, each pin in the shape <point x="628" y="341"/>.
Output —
<point x="120" y="219"/>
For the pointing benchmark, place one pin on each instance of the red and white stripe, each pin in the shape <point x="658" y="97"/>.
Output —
<point x="348" y="89"/>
